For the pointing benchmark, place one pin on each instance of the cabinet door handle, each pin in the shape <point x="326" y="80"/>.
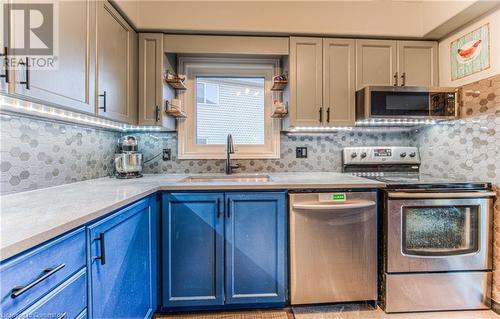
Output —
<point x="27" y="74"/>
<point x="103" y="107"/>
<point x="219" y="208"/>
<point x="229" y="202"/>
<point x="19" y="290"/>
<point x="62" y="316"/>
<point x="6" y="61"/>
<point x="395" y="76"/>
<point x="102" y="247"/>
<point x="403" y="79"/>
<point x="157" y="113"/>
<point x="328" y="115"/>
<point x="321" y="114"/>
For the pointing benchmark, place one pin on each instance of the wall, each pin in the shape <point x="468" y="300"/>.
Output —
<point x="37" y="153"/>
<point x="493" y="19"/>
<point x="324" y="153"/>
<point x="468" y="148"/>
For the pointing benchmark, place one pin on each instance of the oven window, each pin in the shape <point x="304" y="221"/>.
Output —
<point x="440" y="230"/>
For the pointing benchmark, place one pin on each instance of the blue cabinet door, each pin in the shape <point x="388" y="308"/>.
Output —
<point x="193" y="230"/>
<point x="255" y="246"/>
<point x="123" y="263"/>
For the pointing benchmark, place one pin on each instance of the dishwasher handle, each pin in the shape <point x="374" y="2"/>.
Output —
<point x="352" y="204"/>
<point x="438" y="195"/>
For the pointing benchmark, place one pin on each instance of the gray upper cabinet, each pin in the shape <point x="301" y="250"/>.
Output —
<point x="70" y="83"/>
<point x="376" y="62"/>
<point x="418" y="63"/>
<point x="4" y="42"/>
<point x="339" y="82"/>
<point x="403" y="63"/>
<point x="306" y="81"/>
<point x="153" y="91"/>
<point x="116" y="66"/>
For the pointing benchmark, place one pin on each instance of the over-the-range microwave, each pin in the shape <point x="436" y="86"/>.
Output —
<point x="406" y="102"/>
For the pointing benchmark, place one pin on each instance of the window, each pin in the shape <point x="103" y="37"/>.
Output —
<point x="239" y="112"/>
<point x="229" y="96"/>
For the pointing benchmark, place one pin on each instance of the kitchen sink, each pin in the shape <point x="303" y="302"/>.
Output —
<point x="241" y="178"/>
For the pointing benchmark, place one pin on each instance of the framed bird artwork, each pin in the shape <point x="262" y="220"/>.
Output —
<point x="470" y="53"/>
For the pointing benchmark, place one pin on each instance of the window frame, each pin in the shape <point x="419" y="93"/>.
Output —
<point x="192" y="67"/>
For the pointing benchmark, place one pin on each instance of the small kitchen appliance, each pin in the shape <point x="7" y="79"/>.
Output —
<point x="436" y="250"/>
<point x="378" y="103"/>
<point x="128" y="160"/>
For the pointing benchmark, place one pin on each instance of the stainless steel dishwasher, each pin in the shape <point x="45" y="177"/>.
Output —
<point x="333" y="247"/>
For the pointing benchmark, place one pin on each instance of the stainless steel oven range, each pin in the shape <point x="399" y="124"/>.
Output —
<point x="436" y="248"/>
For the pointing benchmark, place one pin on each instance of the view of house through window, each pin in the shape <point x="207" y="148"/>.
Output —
<point x="230" y="105"/>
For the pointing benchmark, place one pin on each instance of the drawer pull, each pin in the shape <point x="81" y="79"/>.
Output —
<point x="102" y="247"/>
<point x="19" y="290"/>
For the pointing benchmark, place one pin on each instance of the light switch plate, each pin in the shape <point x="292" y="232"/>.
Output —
<point x="167" y="154"/>
<point x="301" y="152"/>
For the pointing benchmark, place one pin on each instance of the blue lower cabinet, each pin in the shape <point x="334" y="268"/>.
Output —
<point x="68" y="301"/>
<point x="224" y="250"/>
<point x="193" y="230"/>
<point x="255" y="242"/>
<point x="29" y="277"/>
<point x="122" y="259"/>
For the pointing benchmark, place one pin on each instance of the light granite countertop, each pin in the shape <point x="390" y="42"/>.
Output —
<point x="30" y="218"/>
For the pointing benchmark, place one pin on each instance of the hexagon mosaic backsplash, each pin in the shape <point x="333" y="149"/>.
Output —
<point x="468" y="148"/>
<point x="37" y="154"/>
<point x="323" y="153"/>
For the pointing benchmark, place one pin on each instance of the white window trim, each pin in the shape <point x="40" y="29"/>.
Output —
<point x="198" y="66"/>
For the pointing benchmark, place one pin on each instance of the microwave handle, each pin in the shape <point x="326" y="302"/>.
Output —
<point x="440" y="195"/>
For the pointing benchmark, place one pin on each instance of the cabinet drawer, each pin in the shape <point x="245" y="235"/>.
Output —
<point x="39" y="271"/>
<point x="68" y="301"/>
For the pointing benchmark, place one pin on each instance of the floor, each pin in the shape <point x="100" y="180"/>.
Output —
<point x="331" y="312"/>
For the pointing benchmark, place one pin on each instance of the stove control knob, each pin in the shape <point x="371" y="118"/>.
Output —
<point x="354" y="155"/>
<point x="403" y="154"/>
<point x="413" y="154"/>
<point x="363" y="155"/>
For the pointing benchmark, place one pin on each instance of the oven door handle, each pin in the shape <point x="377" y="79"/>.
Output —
<point x="441" y="195"/>
<point x="323" y="206"/>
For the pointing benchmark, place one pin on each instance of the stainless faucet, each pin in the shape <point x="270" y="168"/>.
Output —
<point x="229" y="150"/>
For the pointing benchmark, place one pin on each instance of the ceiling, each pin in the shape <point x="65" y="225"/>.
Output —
<point x="427" y="19"/>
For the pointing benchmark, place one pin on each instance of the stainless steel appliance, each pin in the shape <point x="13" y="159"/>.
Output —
<point x="333" y="247"/>
<point x="436" y="250"/>
<point x="128" y="161"/>
<point x="396" y="102"/>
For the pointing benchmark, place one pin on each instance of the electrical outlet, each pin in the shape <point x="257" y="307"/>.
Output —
<point x="301" y="152"/>
<point x="167" y="154"/>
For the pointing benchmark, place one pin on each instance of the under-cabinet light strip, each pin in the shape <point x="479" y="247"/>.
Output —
<point x="398" y="122"/>
<point x="14" y="105"/>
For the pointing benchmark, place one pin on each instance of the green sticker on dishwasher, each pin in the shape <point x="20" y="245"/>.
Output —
<point x="339" y="197"/>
